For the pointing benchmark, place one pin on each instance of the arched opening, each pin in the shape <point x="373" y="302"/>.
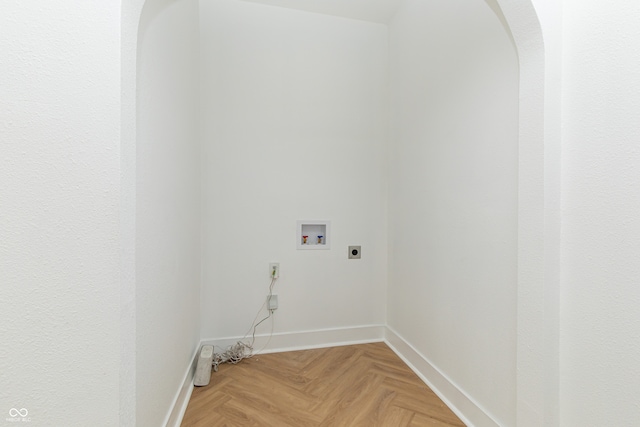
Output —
<point x="530" y="229"/>
<point x="538" y="209"/>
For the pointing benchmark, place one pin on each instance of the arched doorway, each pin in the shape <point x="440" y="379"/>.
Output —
<point x="535" y="290"/>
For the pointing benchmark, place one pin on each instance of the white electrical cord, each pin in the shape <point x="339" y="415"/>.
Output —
<point x="241" y="350"/>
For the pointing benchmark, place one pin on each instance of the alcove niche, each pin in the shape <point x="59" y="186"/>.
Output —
<point x="397" y="120"/>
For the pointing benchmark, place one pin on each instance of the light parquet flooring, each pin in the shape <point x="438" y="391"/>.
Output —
<point x="361" y="385"/>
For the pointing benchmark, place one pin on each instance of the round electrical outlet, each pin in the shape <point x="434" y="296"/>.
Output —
<point x="354" y="252"/>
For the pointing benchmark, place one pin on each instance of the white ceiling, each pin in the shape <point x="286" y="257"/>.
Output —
<point x="379" y="11"/>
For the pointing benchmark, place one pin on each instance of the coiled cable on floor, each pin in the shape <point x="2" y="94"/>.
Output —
<point x="234" y="354"/>
<point x="237" y="352"/>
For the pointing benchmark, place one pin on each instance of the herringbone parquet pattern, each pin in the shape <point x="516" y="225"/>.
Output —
<point x="362" y="385"/>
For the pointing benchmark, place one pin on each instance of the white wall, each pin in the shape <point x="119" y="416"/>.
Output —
<point x="59" y="212"/>
<point x="59" y="249"/>
<point x="168" y="205"/>
<point x="453" y="196"/>
<point x="294" y="115"/>
<point x="600" y="319"/>
<point x="365" y="10"/>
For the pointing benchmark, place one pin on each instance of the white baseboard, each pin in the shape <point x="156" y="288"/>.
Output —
<point x="453" y="396"/>
<point x="181" y="400"/>
<point x="280" y="342"/>
<point x="305" y="340"/>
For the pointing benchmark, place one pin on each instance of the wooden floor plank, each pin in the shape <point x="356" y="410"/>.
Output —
<point x="362" y="385"/>
<point x="396" y="417"/>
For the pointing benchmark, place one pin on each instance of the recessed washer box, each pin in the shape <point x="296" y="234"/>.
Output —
<point x="313" y="234"/>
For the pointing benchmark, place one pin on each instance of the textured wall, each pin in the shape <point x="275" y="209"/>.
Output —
<point x="59" y="245"/>
<point x="59" y="255"/>
<point x="600" y="329"/>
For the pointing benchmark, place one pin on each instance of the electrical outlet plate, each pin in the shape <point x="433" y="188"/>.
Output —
<point x="272" y="302"/>
<point x="354" y="252"/>
<point x="274" y="266"/>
